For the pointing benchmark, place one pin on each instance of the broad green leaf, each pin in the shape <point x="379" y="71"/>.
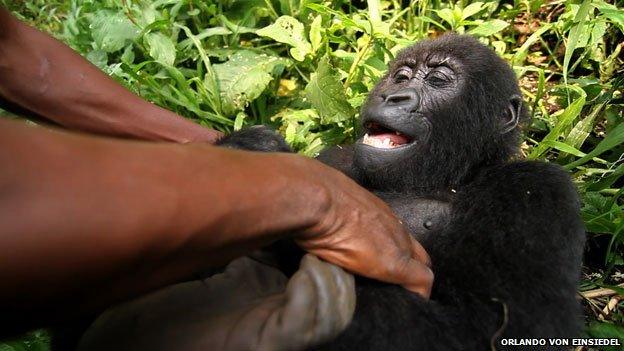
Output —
<point x="98" y="58"/>
<point x="374" y="11"/>
<point x="457" y="15"/>
<point x="244" y="77"/>
<point x="299" y="116"/>
<point x="614" y="14"/>
<point x="326" y="94"/>
<point x="128" y="55"/>
<point x="288" y="30"/>
<point x="488" y="28"/>
<point x="110" y="30"/>
<point x="472" y="9"/>
<point x="598" y="31"/>
<point x="161" y="48"/>
<point x="447" y="16"/>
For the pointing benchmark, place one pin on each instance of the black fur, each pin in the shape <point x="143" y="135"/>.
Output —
<point x="256" y="138"/>
<point x="505" y="237"/>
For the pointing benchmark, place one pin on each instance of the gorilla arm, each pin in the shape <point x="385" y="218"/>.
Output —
<point x="41" y="77"/>
<point x="506" y="266"/>
<point x="249" y="306"/>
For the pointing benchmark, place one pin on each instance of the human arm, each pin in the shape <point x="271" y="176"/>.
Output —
<point x="86" y="222"/>
<point x="46" y="78"/>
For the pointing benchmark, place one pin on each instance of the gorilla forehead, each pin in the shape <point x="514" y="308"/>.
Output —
<point x="466" y="56"/>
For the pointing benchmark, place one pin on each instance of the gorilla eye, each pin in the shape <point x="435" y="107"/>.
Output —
<point x="437" y="78"/>
<point x="402" y="75"/>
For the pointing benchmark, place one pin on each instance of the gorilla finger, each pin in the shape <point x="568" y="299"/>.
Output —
<point x="336" y="292"/>
<point x="345" y="300"/>
<point x="299" y="311"/>
<point x="326" y="290"/>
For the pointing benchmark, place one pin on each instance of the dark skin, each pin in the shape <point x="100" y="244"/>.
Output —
<point x="44" y="78"/>
<point x="88" y="221"/>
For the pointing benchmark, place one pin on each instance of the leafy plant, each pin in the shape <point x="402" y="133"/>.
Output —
<point x="306" y="67"/>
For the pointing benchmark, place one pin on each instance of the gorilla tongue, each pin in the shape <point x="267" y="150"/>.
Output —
<point x="385" y="140"/>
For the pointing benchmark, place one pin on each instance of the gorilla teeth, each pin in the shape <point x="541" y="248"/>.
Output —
<point x="386" y="143"/>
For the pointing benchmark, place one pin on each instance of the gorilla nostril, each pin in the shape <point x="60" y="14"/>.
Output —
<point x="402" y="97"/>
<point x="396" y="98"/>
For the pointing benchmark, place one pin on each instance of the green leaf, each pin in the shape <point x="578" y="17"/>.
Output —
<point x="606" y="330"/>
<point x="110" y="30"/>
<point x="374" y="11"/>
<point x="522" y="52"/>
<point x="315" y="33"/>
<point x="326" y="94"/>
<point x="563" y="147"/>
<point x="447" y="16"/>
<point x="607" y="181"/>
<point x="288" y="30"/>
<point x="615" y="15"/>
<point x="210" y="79"/>
<point x="581" y="130"/>
<point x="161" y="48"/>
<point x="240" y="119"/>
<point x="488" y="28"/>
<point x="574" y="36"/>
<point x="564" y="120"/>
<point x="98" y="58"/>
<point x="128" y="55"/>
<point x="244" y="77"/>
<point x="613" y="139"/>
<point x="348" y="22"/>
<point x="472" y="9"/>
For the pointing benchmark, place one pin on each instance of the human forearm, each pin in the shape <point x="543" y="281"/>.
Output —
<point x="47" y="78"/>
<point x="89" y="221"/>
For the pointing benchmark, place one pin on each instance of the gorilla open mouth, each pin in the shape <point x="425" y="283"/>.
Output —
<point x="382" y="137"/>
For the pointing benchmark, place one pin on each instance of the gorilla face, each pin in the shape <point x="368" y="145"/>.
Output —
<point x="436" y="115"/>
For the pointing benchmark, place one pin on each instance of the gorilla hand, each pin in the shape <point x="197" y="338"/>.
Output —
<point x="256" y="138"/>
<point x="250" y="306"/>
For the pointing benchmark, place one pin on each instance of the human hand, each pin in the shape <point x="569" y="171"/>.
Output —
<point x="250" y="306"/>
<point x="359" y="232"/>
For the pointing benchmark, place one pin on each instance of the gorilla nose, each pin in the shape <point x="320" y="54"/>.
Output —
<point x="407" y="98"/>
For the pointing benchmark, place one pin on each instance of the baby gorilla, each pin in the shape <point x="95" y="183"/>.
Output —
<point x="505" y="237"/>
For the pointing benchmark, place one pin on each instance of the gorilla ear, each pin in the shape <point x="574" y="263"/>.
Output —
<point x="512" y="115"/>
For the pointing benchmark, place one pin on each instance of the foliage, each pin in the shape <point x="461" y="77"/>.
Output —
<point x="305" y="67"/>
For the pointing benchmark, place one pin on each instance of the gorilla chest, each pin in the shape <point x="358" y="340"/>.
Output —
<point x="422" y="216"/>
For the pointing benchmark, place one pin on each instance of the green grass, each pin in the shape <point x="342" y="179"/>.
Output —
<point x="308" y="65"/>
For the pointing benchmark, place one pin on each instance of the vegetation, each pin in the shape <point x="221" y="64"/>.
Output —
<point x="306" y="66"/>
